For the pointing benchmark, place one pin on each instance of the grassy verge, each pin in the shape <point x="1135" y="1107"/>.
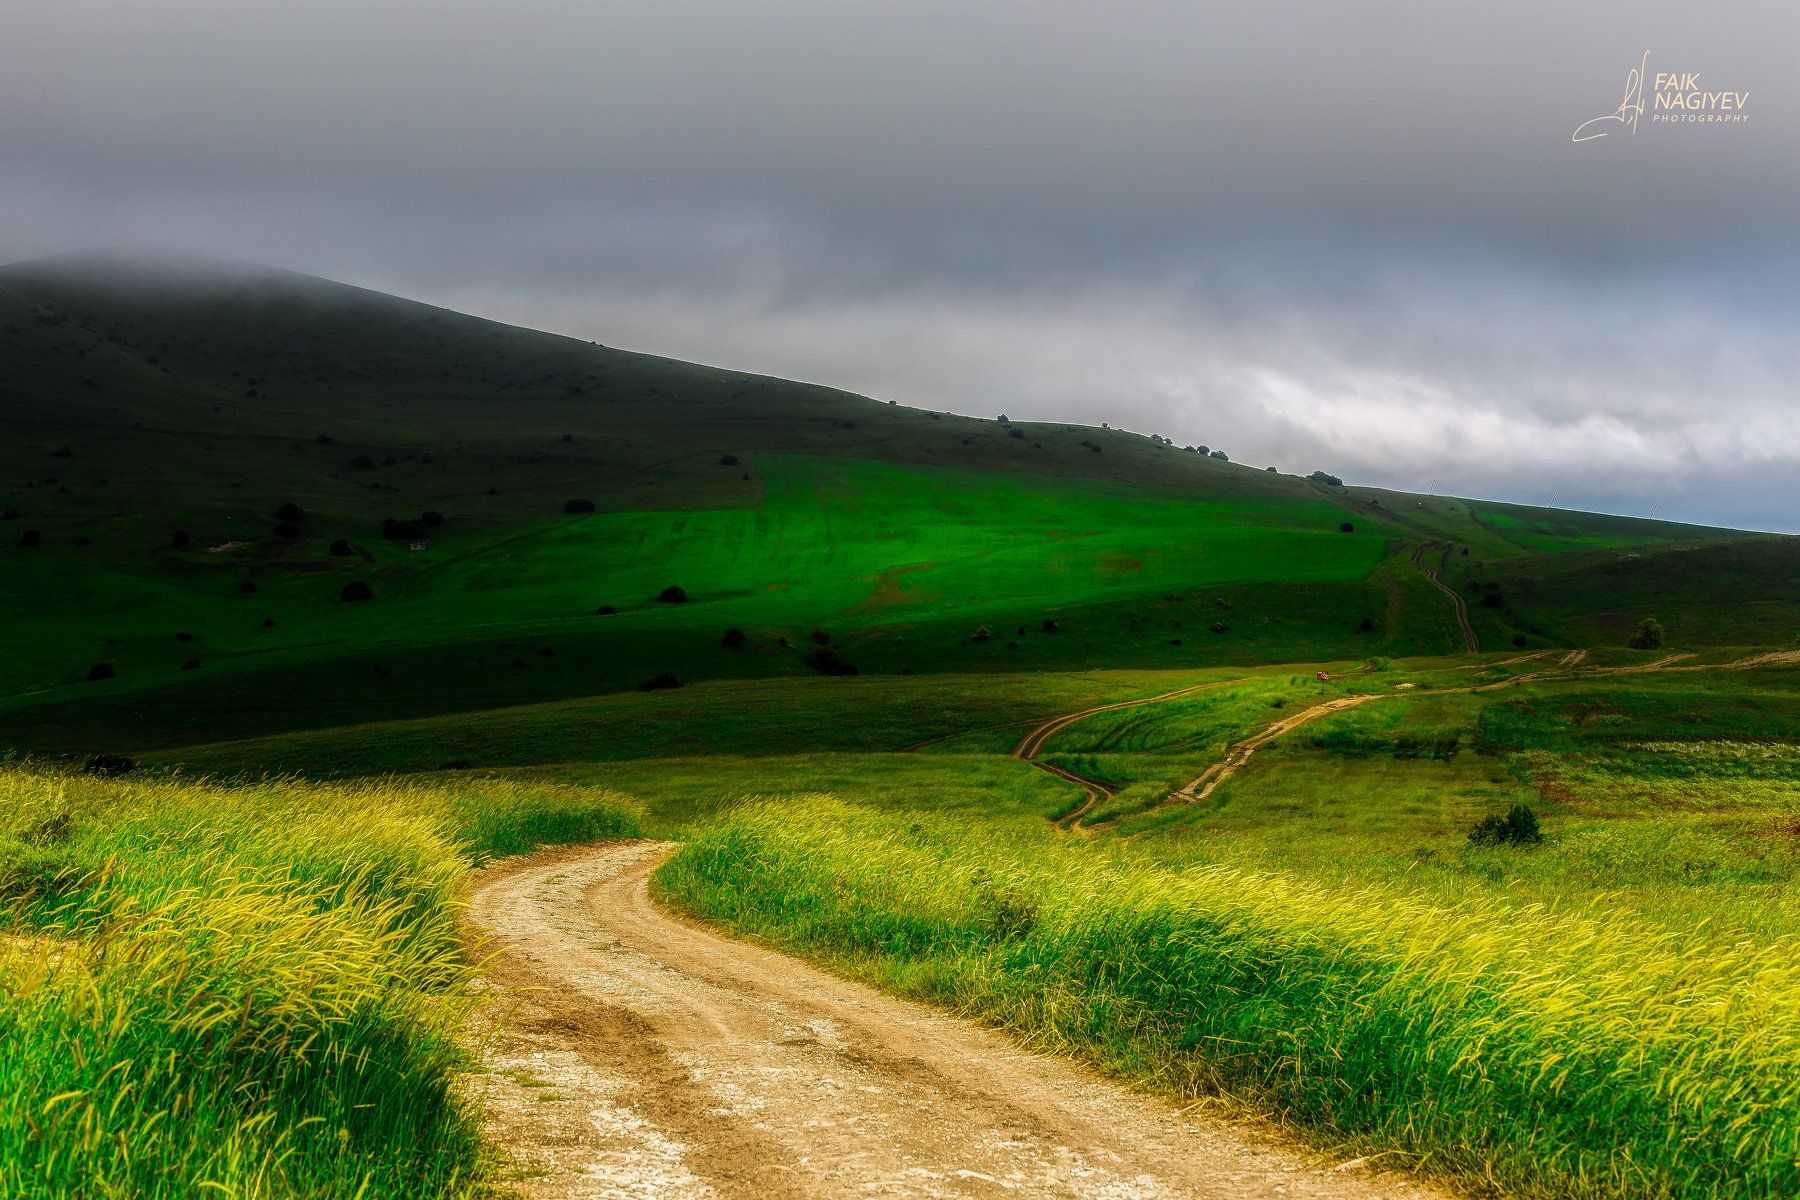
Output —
<point x="245" y="991"/>
<point x="1554" y="1053"/>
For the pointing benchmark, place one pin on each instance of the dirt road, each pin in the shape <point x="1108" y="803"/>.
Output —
<point x="1470" y="642"/>
<point x="633" y="1054"/>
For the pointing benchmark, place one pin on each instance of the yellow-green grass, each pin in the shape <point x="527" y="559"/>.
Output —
<point x="1569" y="1053"/>
<point x="248" y="991"/>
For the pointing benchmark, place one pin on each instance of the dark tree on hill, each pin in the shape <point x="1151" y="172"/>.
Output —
<point x="1220" y="455"/>
<point x="578" y="506"/>
<point x="248" y="586"/>
<point x="821" y="637"/>
<point x="1649" y="635"/>
<point x="340" y="548"/>
<point x="180" y="538"/>
<point x="192" y="664"/>
<point x="1346" y="527"/>
<point x="1052" y="627"/>
<point x="1367" y="626"/>
<point x="31" y="537"/>
<point x="286" y="531"/>
<point x="362" y="462"/>
<point x="825" y="660"/>
<point x="606" y="610"/>
<point x="356" y="591"/>
<point x="100" y="671"/>
<point x="291" y="513"/>
<point x="733" y="639"/>
<point x="673" y="594"/>
<point x="1327" y="480"/>
<point x="402" y="531"/>
<point x="657" y="683"/>
<point x="728" y="460"/>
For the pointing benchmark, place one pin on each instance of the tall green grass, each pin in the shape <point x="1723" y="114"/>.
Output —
<point x="246" y="991"/>
<point x="1565" y="1054"/>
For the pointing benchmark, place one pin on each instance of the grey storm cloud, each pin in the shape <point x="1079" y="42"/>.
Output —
<point x="1356" y="237"/>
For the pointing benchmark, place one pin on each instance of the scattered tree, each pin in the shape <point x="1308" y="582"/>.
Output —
<point x="578" y="506"/>
<point x="100" y="671"/>
<point x="1367" y="626"/>
<point x="1346" y="527"/>
<point x="1649" y="635"/>
<point x="31" y="537"/>
<point x="728" y="460"/>
<point x="248" y="586"/>
<point x="356" y="591"/>
<point x="1221" y="456"/>
<point x="287" y="531"/>
<point x="340" y="548"/>
<point x="733" y="639"/>
<point x="1052" y="627"/>
<point x="291" y="513"/>
<point x="180" y="538"/>
<point x="673" y="595"/>
<point x="657" y="683"/>
<point x="1327" y="480"/>
<point x="606" y="610"/>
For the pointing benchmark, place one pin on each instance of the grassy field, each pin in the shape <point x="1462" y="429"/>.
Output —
<point x="236" y="968"/>
<point x="252" y="991"/>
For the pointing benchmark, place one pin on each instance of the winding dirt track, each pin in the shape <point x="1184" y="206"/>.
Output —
<point x="633" y="1054"/>
<point x="1470" y="642"/>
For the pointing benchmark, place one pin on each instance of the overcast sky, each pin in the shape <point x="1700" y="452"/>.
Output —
<point x="1355" y="237"/>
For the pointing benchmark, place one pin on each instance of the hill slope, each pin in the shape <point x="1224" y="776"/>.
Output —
<point x="200" y="459"/>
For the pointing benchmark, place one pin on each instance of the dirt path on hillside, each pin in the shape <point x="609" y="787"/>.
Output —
<point x="1470" y="642"/>
<point x="634" y="1054"/>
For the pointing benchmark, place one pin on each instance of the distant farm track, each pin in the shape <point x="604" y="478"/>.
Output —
<point x="1470" y="642"/>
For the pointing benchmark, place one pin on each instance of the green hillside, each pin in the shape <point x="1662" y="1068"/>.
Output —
<point x="200" y="460"/>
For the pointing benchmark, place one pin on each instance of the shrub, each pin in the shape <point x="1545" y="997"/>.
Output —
<point x="108" y="764"/>
<point x="1519" y="827"/>
<point x="340" y="548"/>
<point x="31" y="537"/>
<point x="728" y="460"/>
<point x="100" y="671"/>
<point x="62" y="452"/>
<point x="180" y="538"/>
<point x="402" y="531"/>
<point x="1649" y="635"/>
<point x="291" y="513"/>
<point x="578" y="506"/>
<point x="363" y="462"/>
<point x="1016" y="432"/>
<point x="673" y="595"/>
<point x="1327" y="480"/>
<point x="825" y="660"/>
<point x="606" y="610"/>
<point x="821" y="637"/>
<point x="248" y="586"/>
<point x="981" y="635"/>
<point x="356" y="591"/>
<point x="192" y="664"/>
<point x="657" y="683"/>
<point x="733" y="639"/>
<point x="1367" y="625"/>
<point x="1519" y="640"/>
<point x="1220" y="455"/>
<point x="1346" y="527"/>
<point x="1052" y="627"/>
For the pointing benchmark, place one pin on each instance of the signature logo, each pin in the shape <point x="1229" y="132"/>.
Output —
<point x="1676" y="98"/>
<point x="1626" y="115"/>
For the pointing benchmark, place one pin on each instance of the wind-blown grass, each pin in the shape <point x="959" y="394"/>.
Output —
<point x="1556" y="1053"/>
<point x="246" y="991"/>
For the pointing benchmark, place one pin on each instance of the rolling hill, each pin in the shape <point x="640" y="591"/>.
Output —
<point x="205" y="465"/>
